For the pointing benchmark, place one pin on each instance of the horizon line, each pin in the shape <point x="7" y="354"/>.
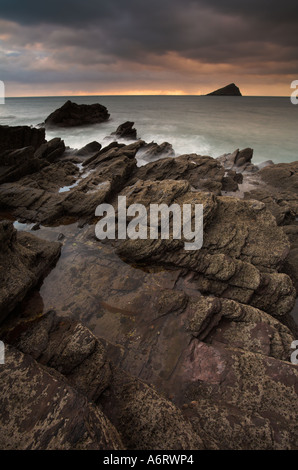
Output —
<point x="146" y="94"/>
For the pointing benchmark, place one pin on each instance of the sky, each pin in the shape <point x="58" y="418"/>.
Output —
<point x="111" y="47"/>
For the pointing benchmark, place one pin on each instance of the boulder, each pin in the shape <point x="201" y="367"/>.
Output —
<point x="72" y="114"/>
<point x="125" y="131"/>
<point x="90" y="149"/>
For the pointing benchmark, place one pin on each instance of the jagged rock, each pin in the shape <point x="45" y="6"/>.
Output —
<point x="37" y="198"/>
<point x="151" y="152"/>
<point x="24" y="261"/>
<point x="239" y="161"/>
<point x="107" y="178"/>
<point x="283" y="205"/>
<point x="20" y="162"/>
<point x="72" y="114"/>
<point x="51" y="150"/>
<point x="17" y="163"/>
<point x="125" y="131"/>
<point x="40" y="411"/>
<point x="112" y="151"/>
<point x="202" y="172"/>
<point x="278" y="192"/>
<point x="52" y="177"/>
<point x="228" y="90"/>
<point x="281" y="177"/>
<point x="17" y="137"/>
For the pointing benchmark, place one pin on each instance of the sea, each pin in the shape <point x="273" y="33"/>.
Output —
<point x="203" y="125"/>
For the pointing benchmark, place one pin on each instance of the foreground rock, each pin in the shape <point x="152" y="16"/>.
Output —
<point x="72" y="114"/>
<point x="234" y="375"/>
<point x="229" y="90"/>
<point x="195" y="346"/>
<point x="40" y="411"/>
<point x="143" y="418"/>
<point x="24" y="261"/>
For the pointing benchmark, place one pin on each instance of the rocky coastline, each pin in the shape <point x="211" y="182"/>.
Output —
<point x="138" y="344"/>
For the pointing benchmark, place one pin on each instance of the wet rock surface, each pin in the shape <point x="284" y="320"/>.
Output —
<point x="141" y="344"/>
<point x="24" y="261"/>
<point x="39" y="410"/>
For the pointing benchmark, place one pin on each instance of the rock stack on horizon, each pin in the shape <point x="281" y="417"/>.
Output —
<point x="229" y="90"/>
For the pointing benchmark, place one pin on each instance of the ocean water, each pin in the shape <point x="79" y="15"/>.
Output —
<point x="192" y="124"/>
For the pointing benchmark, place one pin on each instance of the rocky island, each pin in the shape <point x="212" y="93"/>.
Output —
<point x="228" y="90"/>
<point x="139" y="344"/>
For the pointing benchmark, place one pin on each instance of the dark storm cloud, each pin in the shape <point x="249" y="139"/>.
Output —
<point x="259" y="35"/>
<point x="77" y="11"/>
